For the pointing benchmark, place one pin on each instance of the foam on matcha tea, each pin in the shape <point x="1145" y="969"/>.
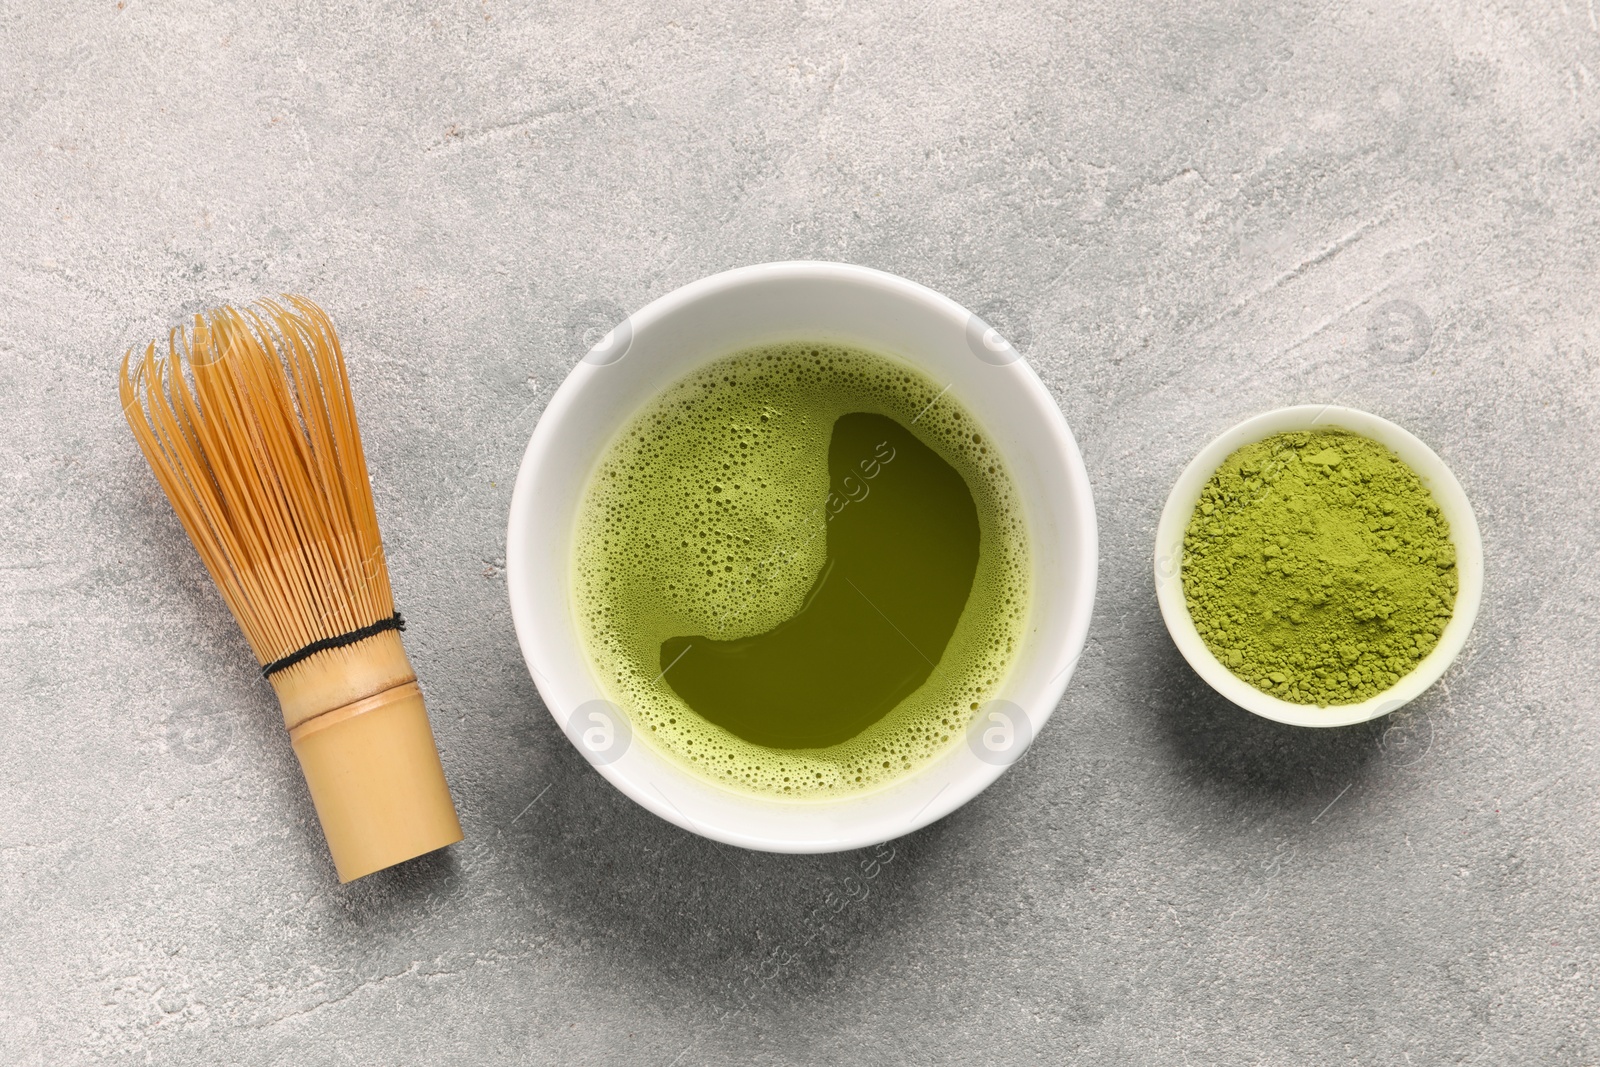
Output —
<point x="800" y="570"/>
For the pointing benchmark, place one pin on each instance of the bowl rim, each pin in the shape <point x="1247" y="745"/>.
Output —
<point x="1435" y="475"/>
<point x="964" y="777"/>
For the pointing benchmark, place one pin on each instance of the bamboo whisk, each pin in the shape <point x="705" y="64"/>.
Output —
<point x="246" y="419"/>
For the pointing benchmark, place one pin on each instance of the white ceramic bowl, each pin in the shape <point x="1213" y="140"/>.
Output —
<point x="715" y="317"/>
<point x="1435" y="475"/>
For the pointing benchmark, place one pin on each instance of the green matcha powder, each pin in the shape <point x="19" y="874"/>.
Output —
<point x="1318" y="568"/>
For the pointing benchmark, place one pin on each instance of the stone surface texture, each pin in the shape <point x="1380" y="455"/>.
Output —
<point x="1183" y="213"/>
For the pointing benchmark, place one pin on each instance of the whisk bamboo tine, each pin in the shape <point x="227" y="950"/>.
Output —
<point x="247" y="422"/>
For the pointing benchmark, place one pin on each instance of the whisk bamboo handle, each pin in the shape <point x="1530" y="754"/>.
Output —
<point x="357" y="723"/>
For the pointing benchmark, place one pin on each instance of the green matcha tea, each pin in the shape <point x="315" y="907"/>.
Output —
<point x="800" y="570"/>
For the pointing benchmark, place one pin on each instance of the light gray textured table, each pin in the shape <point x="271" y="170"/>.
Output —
<point x="1183" y="213"/>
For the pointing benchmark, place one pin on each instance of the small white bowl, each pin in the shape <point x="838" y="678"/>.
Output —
<point x="1447" y="492"/>
<point x="660" y="344"/>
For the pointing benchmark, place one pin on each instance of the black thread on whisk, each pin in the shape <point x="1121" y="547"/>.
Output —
<point x="393" y="622"/>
